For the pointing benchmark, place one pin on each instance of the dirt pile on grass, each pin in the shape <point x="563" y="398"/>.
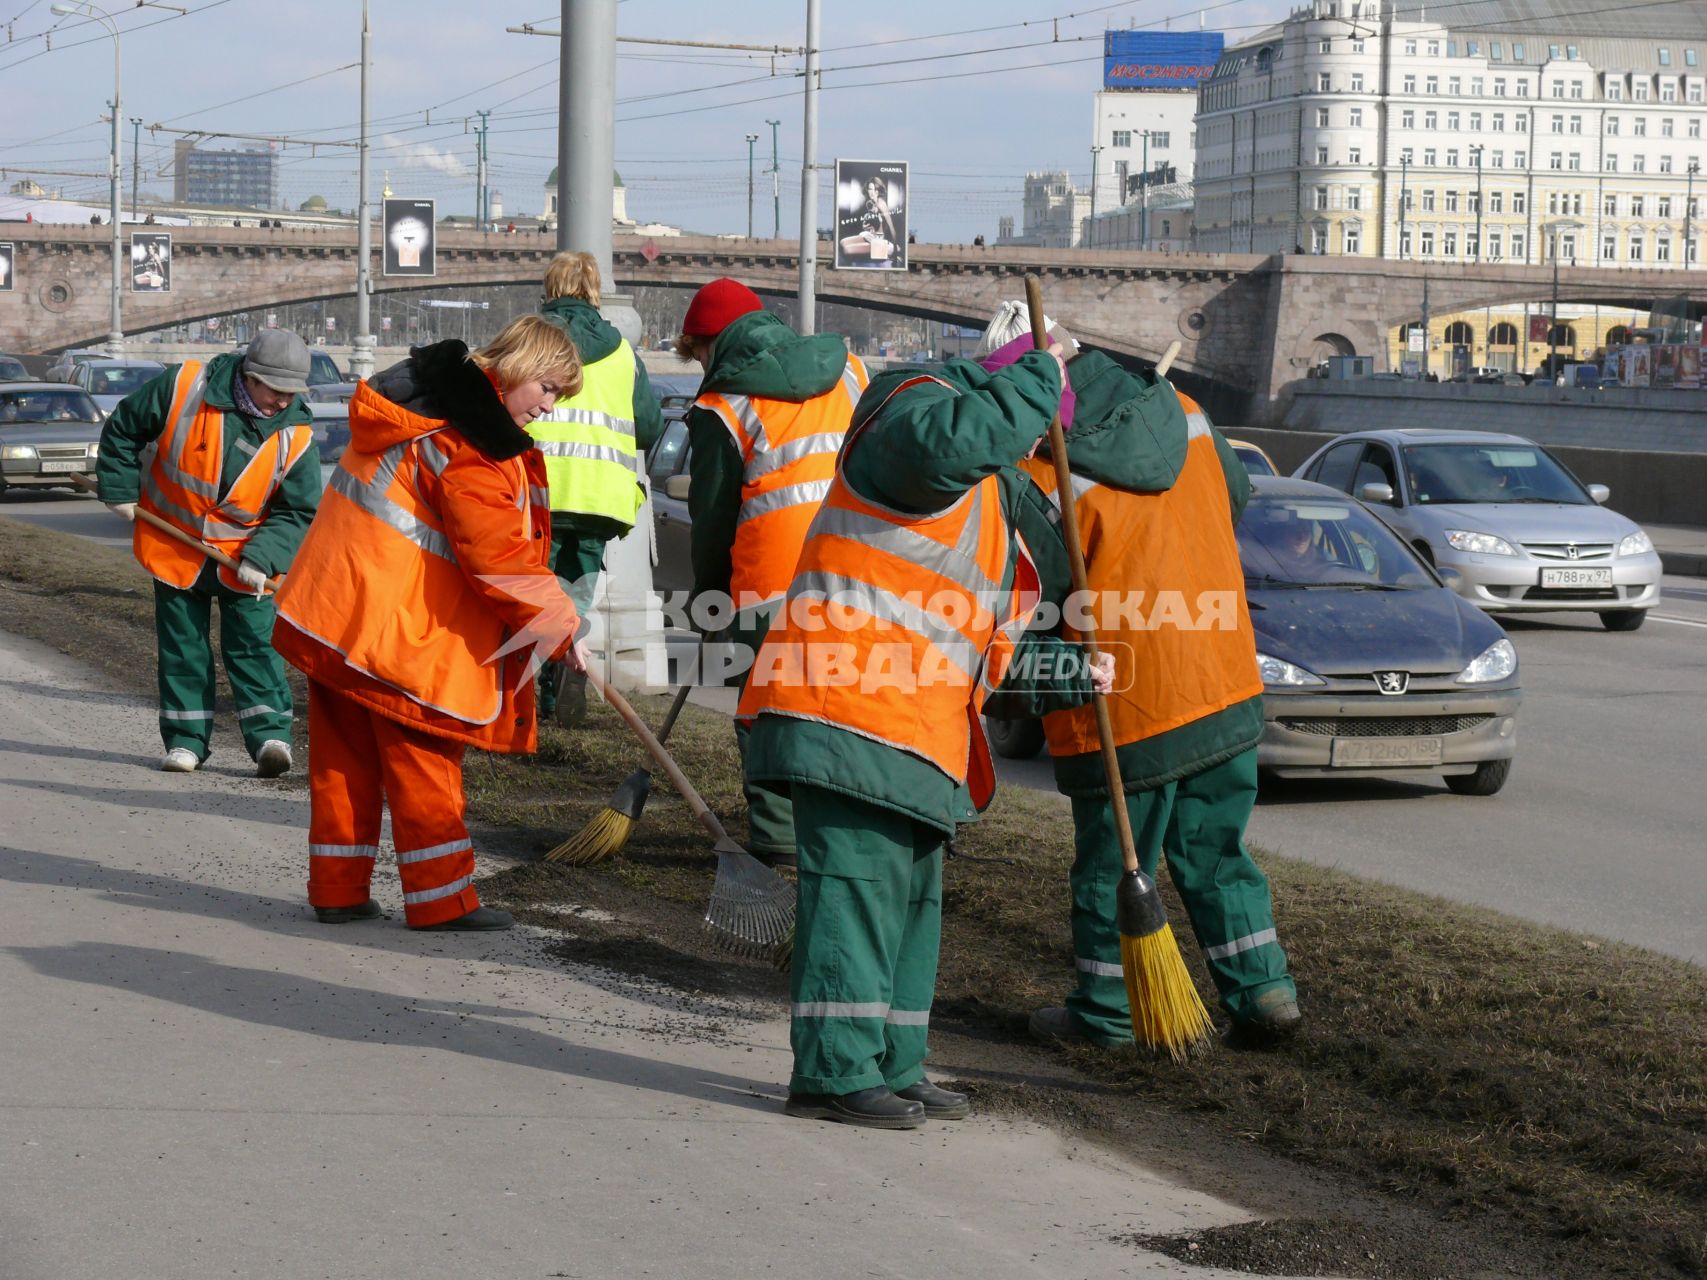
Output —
<point x="1542" y="1096"/>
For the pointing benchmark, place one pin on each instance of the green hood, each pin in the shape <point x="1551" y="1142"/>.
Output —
<point x="758" y="355"/>
<point x="594" y="336"/>
<point x="1128" y="429"/>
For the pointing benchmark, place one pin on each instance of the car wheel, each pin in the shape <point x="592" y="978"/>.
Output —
<point x="1623" y="619"/>
<point x="1489" y="777"/>
<point x="1014" y="739"/>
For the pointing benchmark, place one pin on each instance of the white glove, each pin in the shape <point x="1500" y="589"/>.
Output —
<point x="125" y="509"/>
<point x="252" y="577"/>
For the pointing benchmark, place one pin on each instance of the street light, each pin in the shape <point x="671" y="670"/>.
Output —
<point x="1688" y="203"/>
<point x="1090" y="237"/>
<point x="1555" y="227"/>
<point x="1404" y="194"/>
<point x="751" y="139"/>
<point x="115" y="328"/>
<point x="776" y="184"/>
<point x="1477" y="151"/>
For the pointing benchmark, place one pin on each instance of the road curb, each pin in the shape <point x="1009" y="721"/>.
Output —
<point x="1687" y="564"/>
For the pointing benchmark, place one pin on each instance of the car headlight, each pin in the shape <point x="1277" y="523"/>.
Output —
<point x="1480" y="543"/>
<point x="1636" y="544"/>
<point x="1276" y="672"/>
<point x="16" y="452"/>
<point x="94" y="448"/>
<point x="1496" y="662"/>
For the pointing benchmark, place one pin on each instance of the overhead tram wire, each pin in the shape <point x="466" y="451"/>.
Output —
<point x="75" y="44"/>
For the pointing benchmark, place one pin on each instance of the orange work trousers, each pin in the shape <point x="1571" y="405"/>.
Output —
<point x="359" y="759"/>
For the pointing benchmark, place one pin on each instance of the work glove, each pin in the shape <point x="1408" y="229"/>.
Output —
<point x="252" y="577"/>
<point x="125" y="509"/>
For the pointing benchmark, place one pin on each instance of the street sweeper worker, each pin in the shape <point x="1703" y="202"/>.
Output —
<point x="420" y="608"/>
<point x="908" y="601"/>
<point x="592" y="442"/>
<point x="1157" y="492"/>
<point x="763" y="435"/>
<point x="224" y="452"/>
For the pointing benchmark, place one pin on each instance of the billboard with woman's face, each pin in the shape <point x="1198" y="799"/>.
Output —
<point x="7" y="264"/>
<point x="409" y="238"/>
<point x="871" y="215"/>
<point x="151" y="262"/>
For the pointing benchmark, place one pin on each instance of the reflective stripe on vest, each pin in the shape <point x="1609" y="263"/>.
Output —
<point x="588" y="442"/>
<point x="181" y="485"/>
<point x="788" y="453"/>
<point x="872" y="580"/>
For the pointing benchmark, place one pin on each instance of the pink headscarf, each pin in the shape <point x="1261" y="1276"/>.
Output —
<point x="1002" y="357"/>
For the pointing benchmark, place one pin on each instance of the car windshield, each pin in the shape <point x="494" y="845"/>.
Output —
<point x="1308" y="542"/>
<point x="121" y="380"/>
<point x="46" y="406"/>
<point x="1462" y="473"/>
<point x="321" y="370"/>
<point x="1255" y="463"/>
<point x="12" y="369"/>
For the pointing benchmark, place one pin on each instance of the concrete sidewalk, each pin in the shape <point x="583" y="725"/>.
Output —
<point x="1682" y="548"/>
<point x="200" y="1080"/>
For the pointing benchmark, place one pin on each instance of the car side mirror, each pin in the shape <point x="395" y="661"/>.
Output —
<point x="677" y="487"/>
<point x="1375" y="491"/>
<point x="1600" y="493"/>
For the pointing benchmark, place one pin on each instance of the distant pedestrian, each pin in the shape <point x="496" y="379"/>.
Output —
<point x="235" y="466"/>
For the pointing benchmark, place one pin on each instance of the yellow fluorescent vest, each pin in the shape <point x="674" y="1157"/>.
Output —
<point x="181" y="485"/>
<point x="588" y="443"/>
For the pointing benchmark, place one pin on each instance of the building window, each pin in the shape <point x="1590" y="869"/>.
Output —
<point x="1523" y="88"/>
<point x="1612" y="126"/>
<point x="1410" y="84"/>
<point x="1689" y="57"/>
<point x="1614" y="90"/>
<point x="1159" y="139"/>
<point x="1638" y="164"/>
<point x="1475" y="122"/>
<point x="1558" y="124"/>
<point x="1637" y="205"/>
<point x="1431" y="120"/>
<point x="1452" y="121"/>
<point x="1494" y="51"/>
<point x="1666" y="127"/>
<point x="1324" y="83"/>
<point x="1427" y="242"/>
<point x="1499" y="122"/>
<point x="1357" y="46"/>
<point x="1321" y="117"/>
<point x="1662" y="250"/>
<point x="1519" y="203"/>
<point x="1496" y="159"/>
<point x="1449" y="243"/>
<point x="1635" y="246"/>
<point x="1695" y="127"/>
<point x="1639" y="126"/>
<point x="1665" y="164"/>
<point x="1520" y="159"/>
<point x="1321" y="198"/>
<point x="1452" y="48"/>
<point x="1405" y="243"/>
<point x="1405" y="156"/>
<point x="1434" y="48"/>
<point x="1321" y="155"/>
<point x="1520" y="123"/>
<point x="1123" y="137"/>
<point x="1354" y="155"/>
<point x="1431" y="84"/>
<point x="1665" y="56"/>
<point x="1326" y="45"/>
<point x="1354" y="198"/>
<point x="1410" y="48"/>
<point x="1558" y="88"/>
<point x="1357" y="80"/>
<point x="1609" y="206"/>
<point x="1408" y="199"/>
<point x="1553" y="52"/>
<point x="1452" y="202"/>
<point x="1611" y="163"/>
<point x="1517" y="243"/>
<point x="1407" y="119"/>
<point x="1470" y="245"/>
<point x="1556" y="160"/>
<point x="1576" y="124"/>
<point x="1473" y="201"/>
<point x="1517" y="53"/>
<point x="1577" y="89"/>
<point x="1319" y="239"/>
<point x="1499" y="86"/>
<point x="1353" y="237"/>
<point x="1494" y="244"/>
<point x="1454" y="86"/>
<point x="1428" y="155"/>
<point x="1639" y="89"/>
<point x="1496" y="202"/>
<point x="1695" y="92"/>
<point x="1663" y="204"/>
<point x="1357" y="117"/>
<point x="1576" y="160"/>
<point x="1428" y="200"/>
<point x="1608" y="247"/>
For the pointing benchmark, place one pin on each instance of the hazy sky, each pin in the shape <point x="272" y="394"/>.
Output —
<point x="971" y="94"/>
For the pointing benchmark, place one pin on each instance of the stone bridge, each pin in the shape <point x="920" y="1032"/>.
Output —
<point x="1247" y="324"/>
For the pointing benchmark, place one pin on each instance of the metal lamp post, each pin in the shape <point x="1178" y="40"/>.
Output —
<point x="751" y="139"/>
<point x="115" y="329"/>
<point x="1404" y="195"/>
<point x="776" y="184"/>
<point x="1688" y="208"/>
<point x="1554" y="228"/>
<point x="1478" y="153"/>
<point x="1091" y="229"/>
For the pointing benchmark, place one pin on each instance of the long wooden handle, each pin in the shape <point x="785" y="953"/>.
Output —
<point x="678" y="779"/>
<point x="1081" y="586"/>
<point x="675" y="710"/>
<point x="172" y="531"/>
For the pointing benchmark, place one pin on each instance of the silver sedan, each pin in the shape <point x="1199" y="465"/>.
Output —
<point x="1508" y="526"/>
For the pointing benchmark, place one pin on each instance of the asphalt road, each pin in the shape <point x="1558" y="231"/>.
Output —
<point x="1598" y="829"/>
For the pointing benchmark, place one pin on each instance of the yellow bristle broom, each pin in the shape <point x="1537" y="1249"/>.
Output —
<point x="609" y="830"/>
<point x="1167" y="1013"/>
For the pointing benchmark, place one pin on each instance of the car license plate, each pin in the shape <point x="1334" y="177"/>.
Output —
<point x="1384" y="753"/>
<point x="1576" y="578"/>
<point x="64" y="464"/>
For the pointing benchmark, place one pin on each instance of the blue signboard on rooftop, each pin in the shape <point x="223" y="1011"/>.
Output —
<point x="1159" y="59"/>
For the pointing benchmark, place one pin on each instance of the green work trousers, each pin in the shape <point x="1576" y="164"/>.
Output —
<point x="865" y="946"/>
<point x="577" y="558"/>
<point x="183" y="630"/>
<point x="1199" y="822"/>
<point x="770" y="812"/>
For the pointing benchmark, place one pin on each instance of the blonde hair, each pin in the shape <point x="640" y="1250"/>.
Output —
<point x="532" y="350"/>
<point x="573" y="275"/>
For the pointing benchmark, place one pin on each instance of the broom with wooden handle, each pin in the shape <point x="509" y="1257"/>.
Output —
<point x="172" y="531"/>
<point x="1167" y="1012"/>
<point x="609" y="830"/>
<point x="752" y="907"/>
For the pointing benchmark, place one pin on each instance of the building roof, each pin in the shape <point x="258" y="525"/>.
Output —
<point x="1562" y="19"/>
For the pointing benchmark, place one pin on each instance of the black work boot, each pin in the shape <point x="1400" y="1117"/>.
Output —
<point x="870" y="1108"/>
<point x="481" y="918"/>
<point x="368" y="910"/>
<point x="939" y="1104"/>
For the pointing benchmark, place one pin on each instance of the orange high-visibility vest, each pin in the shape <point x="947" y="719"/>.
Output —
<point x="788" y="452"/>
<point x="377" y="581"/>
<point x="896" y="625"/>
<point x="1167" y="594"/>
<point x="181" y="486"/>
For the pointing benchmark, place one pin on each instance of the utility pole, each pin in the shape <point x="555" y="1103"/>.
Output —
<point x="808" y="294"/>
<point x="776" y="184"/>
<point x="1091" y="227"/>
<point x="115" y="330"/>
<point x="1143" y="197"/>
<point x="481" y="204"/>
<point x="1404" y="195"/>
<point x="361" y="342"/>
<point x="1478" y="152"/>
<point x="1425" y="327"/>
<point x="751" y="139"/>
<point x="1688" y="210"/>
<point x="136" y="166"/>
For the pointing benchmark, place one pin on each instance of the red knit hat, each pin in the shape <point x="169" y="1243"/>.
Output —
<point x="718" y="305"/>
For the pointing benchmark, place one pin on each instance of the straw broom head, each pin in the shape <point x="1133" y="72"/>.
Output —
<point x="1167" y="1013"/>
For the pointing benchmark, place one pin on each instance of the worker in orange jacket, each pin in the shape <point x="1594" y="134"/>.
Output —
<point x="420" y="607"/>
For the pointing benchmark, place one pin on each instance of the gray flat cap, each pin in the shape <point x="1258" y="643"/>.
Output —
<point x="279" y="360"/>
